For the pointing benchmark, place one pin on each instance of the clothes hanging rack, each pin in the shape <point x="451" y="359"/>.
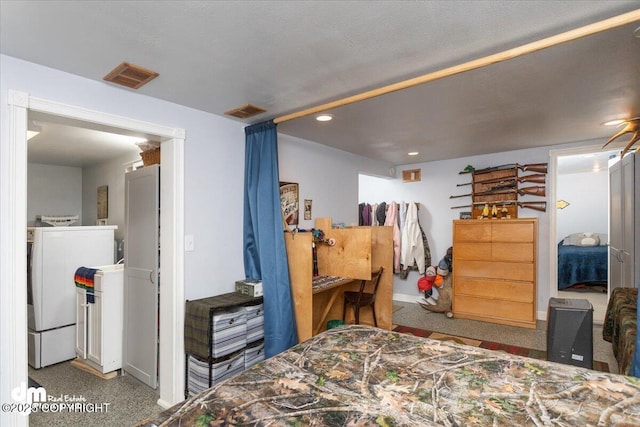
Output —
<point x="587" y="30"/>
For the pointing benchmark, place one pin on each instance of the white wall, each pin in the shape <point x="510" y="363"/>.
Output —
<point x="111" y="174"/>
<point x="53" y="190"/>
<point x="327" y="176"/>
<point x="587" y="194"/>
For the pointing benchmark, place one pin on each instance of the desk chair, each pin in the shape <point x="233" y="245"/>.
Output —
<point x="360" y="298"/>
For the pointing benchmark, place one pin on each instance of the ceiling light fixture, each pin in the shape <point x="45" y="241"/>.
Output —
<point x="324" y="117"/>
<point x="33" y="129"/>
<point x="413" y="153"/>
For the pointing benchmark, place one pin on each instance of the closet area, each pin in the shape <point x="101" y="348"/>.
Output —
<point x="410" y="245"/>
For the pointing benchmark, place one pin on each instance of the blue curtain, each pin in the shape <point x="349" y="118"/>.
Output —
<point x="265" y="255"/>
<point x="635" y="364"/>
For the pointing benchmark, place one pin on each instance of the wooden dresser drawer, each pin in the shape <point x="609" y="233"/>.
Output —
<point x="472" y="251"/>
<point x="495" y="289"/>
<point x="514" y="271"/>
<point x="475" y="231"/>
<point x="512" y="232"/>
<point x="512" y="310"/>
<point x="516" y="252"/>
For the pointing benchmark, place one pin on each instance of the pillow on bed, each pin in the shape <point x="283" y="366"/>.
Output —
<point x="582" y="239"/>
<point x="604" y="238"/>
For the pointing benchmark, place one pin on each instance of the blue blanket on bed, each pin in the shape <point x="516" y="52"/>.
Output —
<point x="580" y="264"/>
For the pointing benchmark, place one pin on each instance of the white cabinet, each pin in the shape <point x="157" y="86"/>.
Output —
<point x="99" y="328"/>
<point x="142" y="273"/>
<point x="624" y="227"/>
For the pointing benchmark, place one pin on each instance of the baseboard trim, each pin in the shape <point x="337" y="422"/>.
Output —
<point x="164" y="404"/>
<point x="406" y="298"/>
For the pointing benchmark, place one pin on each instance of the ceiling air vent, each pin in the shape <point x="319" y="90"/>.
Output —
<point x="245" y="111"/>
<point x="130" y="75"/>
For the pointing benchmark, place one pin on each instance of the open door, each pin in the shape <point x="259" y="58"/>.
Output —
<point x="141" y="272"/>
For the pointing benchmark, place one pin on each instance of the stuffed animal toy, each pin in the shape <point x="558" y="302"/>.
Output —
<point x="440" y="300"/>
<point x="425" y="283"/>
<point x="443" y="303"/>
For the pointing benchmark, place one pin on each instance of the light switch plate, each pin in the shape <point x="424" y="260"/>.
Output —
<point x="189" y="244"/>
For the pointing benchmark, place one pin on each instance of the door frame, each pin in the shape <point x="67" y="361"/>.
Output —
<point x="553" y="222"/>
<point x="171" y="385"/>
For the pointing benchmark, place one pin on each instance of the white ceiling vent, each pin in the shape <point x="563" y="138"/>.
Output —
<point x="130" y="75"/>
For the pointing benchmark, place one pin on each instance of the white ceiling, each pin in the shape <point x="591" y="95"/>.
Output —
<point x="67" y="142"/>
<point x="287" y="56"/>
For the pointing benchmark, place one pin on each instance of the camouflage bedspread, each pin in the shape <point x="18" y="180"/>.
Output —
<point x="358" y="375"/>
<point x="621" y="326"/>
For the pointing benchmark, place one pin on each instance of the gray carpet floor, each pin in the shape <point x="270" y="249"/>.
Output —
<point x="130" y="401"/>
<point x="412" y="315"/>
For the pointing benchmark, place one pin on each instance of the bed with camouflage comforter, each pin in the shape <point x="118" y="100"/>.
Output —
<point x="358" y="375"/>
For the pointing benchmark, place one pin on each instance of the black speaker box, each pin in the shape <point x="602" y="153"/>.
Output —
<point x="570" y="332"/>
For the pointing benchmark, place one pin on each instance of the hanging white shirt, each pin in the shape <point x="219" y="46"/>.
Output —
<point x="412" y="247"/>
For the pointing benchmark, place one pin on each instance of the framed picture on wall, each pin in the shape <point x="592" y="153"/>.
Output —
<point x="103" y="202"/>
<point x="289" y="202"/>
<point x="307" y="209"/>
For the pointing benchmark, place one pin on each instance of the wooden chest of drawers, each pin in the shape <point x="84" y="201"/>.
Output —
<point x="494" y="270"/>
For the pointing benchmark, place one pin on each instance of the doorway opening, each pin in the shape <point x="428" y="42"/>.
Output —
<point x="579" y="226"/>
<point x="171" y="371"/>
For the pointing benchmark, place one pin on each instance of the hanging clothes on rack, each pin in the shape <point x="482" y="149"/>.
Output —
<point x="366" y="214"/>
<point x="404" y="272"/>
<point x="412" y="245"/>
<point x="374" y="218"/>
<point x="392" y="220"/>
<point x="381" y="213"/>
<point x="402" y="216"/>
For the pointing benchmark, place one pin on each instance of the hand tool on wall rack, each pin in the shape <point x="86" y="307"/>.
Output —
<point x="536" y="190"/>
<point x="538" y="206"/>
<point x="533" y="167"/>
<point x="537" y="178"/>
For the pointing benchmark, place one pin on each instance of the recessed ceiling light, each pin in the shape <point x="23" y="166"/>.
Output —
<point x="614" y="122"/>
<point x="413" y="153"/>
<point x="324" y="117"/>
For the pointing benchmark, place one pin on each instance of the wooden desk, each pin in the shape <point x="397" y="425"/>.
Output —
<point x="357" y="253"/>
<point x="331" y="291"/>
